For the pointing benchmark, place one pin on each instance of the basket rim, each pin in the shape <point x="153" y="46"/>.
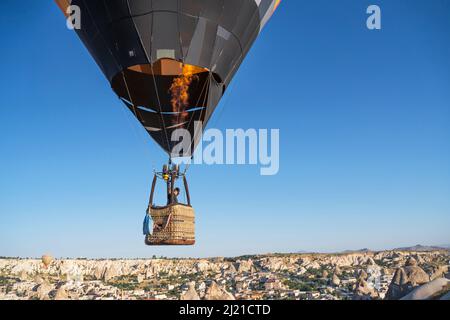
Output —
<point x="170" y="206"/>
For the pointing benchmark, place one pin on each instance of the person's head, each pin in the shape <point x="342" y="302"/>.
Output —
<point x="176" y="191"/>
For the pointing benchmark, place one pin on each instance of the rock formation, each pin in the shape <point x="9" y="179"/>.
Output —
<point x="111" y="272"/>
<point x="214" y="292"/>
<point x="371" y="262"/>
<point x="429" y="290"/>
<point x="406" y="279"/>
<point x="256" y="277"/>
<point x="363" y="291"/>
<point x="61" y="294"/>
<point x="415" y="274"/>
<point x="335" y="280"/>
<point x="362" y="275"/>
<point x="439" y="272"/>
<point x="190" y="294"/>
<point x="337" y="271"/>
<point x="43" y="291"/>
<point x="245" y="266"/>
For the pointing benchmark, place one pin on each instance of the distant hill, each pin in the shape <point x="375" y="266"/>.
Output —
<point x="364" y="250"/>
<point x="419" y="248"/>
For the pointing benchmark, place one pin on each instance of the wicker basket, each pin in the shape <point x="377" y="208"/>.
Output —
<point x="172" y="225"/>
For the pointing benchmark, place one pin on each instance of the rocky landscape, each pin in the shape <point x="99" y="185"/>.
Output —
<point x="366" y="275"/>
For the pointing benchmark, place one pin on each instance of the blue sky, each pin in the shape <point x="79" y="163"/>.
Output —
<point x="364" y="119"/>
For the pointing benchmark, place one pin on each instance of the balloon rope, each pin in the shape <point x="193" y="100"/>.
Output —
<point x="201" y="112"/>
<point x="118" y="65"/>
<point x="138" y="116"/>
<point x="135" y="112"/>
<point x="150" y="60"/>
<point x="190" y="120"/>
<point x="179" y="32"/>
<point x="232" y="85"/>
<point x="138" y="133"/>
<point x="224" y="104"/>
<point x="160" y="112"/>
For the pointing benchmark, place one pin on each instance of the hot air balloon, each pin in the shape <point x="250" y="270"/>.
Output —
<point x="47" y="260"/>
<point x="170" y="62"/>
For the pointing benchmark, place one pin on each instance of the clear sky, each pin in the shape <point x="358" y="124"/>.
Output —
<point x="364" y="119"/>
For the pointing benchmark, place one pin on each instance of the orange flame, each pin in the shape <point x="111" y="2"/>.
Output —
<point x="180" y="92"/>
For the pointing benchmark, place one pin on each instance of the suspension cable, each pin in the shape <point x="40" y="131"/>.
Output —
<point x="150" y="60"/>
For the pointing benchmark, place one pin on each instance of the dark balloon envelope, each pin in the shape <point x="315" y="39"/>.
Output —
<point x="170" y="61"/>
